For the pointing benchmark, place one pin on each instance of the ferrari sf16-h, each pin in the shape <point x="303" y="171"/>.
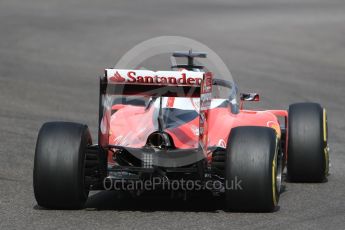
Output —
<point x="182" y="124"/>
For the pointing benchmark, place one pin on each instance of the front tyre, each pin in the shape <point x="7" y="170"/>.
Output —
<point x="253" y="160"/>
<point x="59" y="165"/>
<point x="308" y="157"/>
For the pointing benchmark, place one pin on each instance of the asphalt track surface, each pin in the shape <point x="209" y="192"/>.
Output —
<point x="51" y="53"/>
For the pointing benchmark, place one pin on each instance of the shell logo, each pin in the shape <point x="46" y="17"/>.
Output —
<point x="275" y="126"/>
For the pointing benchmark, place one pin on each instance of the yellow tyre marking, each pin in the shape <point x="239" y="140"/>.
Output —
<point x="325" y="150"/>
<point x="324" y="125"/>
<point x="326" y="160"/>
<point x="274" y="175"/>
<point x="274" y="182"/>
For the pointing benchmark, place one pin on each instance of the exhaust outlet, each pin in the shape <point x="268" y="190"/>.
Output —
<point x="159" y="140"/>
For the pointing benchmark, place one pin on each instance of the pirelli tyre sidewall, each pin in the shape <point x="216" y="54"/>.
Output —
<point x="252" y="158"/>
<point x="59" y="165"/>
<point x="308" y="152"/>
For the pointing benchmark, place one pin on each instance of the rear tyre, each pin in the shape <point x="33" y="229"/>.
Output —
<point x="59" y="166"/>
<point x="308" y="156"/>
<point x="253" y="161"/>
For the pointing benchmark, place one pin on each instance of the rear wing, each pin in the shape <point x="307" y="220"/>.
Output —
<point x="150" y="83"/>
<point x="155" y="84"/>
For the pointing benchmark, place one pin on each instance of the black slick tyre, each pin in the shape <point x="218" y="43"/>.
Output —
<point x="252" y="160"/>
<point x="308" y="156"/>
<point x="59" y="165"/>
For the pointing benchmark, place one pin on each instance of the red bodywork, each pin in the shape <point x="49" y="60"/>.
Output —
<point x="131" y="125"/>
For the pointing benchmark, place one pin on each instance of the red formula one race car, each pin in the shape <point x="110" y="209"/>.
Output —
<point x="181" y="130"/>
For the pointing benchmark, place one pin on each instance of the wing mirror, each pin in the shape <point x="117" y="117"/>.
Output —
<point x="248" y="97"/>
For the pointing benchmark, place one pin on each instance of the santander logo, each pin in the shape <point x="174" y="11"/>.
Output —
<point x="159" y="78"/>
<point x="117" y="77"/>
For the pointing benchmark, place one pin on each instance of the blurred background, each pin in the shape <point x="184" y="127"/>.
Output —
<point x="52" y="52"/>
